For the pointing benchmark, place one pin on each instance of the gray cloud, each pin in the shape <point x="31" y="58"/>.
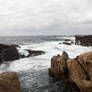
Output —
<point x="45" y="17"/>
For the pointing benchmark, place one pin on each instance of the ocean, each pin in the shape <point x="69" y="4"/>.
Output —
<point x="33" y="71"/>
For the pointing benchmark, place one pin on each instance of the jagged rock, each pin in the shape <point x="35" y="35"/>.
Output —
<point x="9" y="82"/>
<point x="77" y="72"/>
<point x="67" y="40"/>
<point x="35" y="52"/>
<point x="67" y="43"/>
<point x="59" y="66"/>
<point x="10" y="54"/>
<point x="30" y="53"/>
<point x="15" y="45"/>
<point x="3" y="47"/>
<point x="84" y="40"/>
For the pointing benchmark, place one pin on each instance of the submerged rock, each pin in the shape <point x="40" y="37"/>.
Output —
<point x="9" y="82"/>
<point x="77" y="72"/>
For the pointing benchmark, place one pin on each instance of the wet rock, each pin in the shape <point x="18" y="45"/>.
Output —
<point x="67" y="43"/>
<point x="3" y="47"/>
<point x="84" y="40"/>
<point x="10" y="54"/>
<point x="67" y="40"/>
<point x="35" y="52"/>
<point x="58" y="67"/>
<point x="14" y="52"/>
<point x="9" y="82"/>
<point x="15" y="45"/>
<point x="77" y="72"/>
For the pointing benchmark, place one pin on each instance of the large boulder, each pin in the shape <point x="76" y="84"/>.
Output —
<point x="3" y="47"/>
<point x="77" y="77"/>
<point x="85" y="61"/>
<point x="10" y="54"/>
<point x="77" y="72"/>
<point x="9" y="82"/>
<point x="58" y="67"/>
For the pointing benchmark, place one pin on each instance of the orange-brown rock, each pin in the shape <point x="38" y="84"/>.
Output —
<point x="78" y="76"/>
<point x="59" y="67"/>
<point x="9" y="82"/>
<point x="76" y="72"/>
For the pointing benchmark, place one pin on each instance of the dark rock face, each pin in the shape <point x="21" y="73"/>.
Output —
<point x="35" y="53"/>
<point x="32" y="53"/>
<point x="2" y="47"/>
<point x="85" y="40"/>
<point x="9" y="82"/>
<point x="67" y="43"/>
<point x="8" y="53"/>
<point x="77" y="73"/>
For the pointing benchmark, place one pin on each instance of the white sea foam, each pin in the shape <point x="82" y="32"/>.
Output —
<point x="42" y="61"/>
<point x="23" y="51"/>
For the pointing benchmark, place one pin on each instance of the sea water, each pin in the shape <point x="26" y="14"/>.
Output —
<point x="33" y="71"/>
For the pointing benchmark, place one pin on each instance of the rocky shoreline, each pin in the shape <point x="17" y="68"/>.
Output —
<point x="84" y="40"/>
<point x="76" y="72"/>
<point x="11" y="53"/>
<point x="9" y="82"/>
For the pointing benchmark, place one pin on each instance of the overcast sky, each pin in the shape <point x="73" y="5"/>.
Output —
<point x="45" y="17"/>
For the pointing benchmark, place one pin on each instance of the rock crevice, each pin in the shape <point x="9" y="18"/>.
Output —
<point x="77" y="72"/>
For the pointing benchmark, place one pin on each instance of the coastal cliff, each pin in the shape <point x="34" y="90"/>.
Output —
<point x="76" y="72"/>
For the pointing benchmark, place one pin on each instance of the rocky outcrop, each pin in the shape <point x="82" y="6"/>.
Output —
<point x="84" y="40"/>
<point x="11" y="53"/>
<point x="8" y="53"/>
<point x="67" y="42"/>
<point x="77" y="72"/>
<point x="35" y="53"/>
<point x="9" y="82"/>
<point x="59" y="67"/>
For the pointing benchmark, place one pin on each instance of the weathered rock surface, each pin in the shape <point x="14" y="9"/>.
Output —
<point x="9" y="82"/>
<point x="35" y="52"/>
<point x="8" y="53"/>
<point x="11" y="53"/>
<point x="84" y="40"/>
<point x="77" y="72"/>
<point x="67" y="42"/>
